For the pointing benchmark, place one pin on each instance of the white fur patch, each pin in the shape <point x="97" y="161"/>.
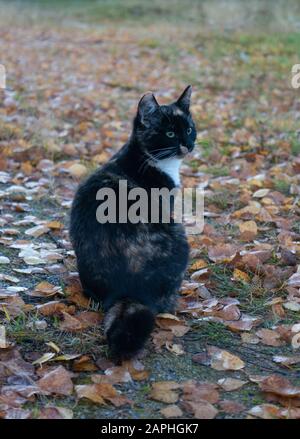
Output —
<point x="170" y="167"/>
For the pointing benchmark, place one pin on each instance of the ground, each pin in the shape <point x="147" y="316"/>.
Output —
<point x="73" y="82"/>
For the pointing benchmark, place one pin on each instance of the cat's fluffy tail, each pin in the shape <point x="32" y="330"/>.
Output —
<point x="127" y="326"/>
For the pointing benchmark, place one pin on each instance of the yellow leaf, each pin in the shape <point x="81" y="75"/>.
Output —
<point x="44" y="358"/>
<point x="240" y="275"/>
<point x="53" y="346"/>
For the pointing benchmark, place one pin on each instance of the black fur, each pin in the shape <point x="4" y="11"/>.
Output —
<point x="134" y="270"/>
<point x="131" y="325"/>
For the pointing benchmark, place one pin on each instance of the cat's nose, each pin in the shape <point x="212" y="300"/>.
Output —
<point x="183" y="149"/>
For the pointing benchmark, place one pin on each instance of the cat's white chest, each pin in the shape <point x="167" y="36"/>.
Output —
<point x="170" y="167"/>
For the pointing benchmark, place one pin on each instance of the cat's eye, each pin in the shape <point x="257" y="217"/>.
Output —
<point x="189" y="130"/>
<point x="170" y="134"/>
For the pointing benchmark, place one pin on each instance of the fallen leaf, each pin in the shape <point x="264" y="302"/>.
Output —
<point x="77" y="170"/>
<point x="4" y="260"/>
<point x="44" y="358"/>
<point x="230" y="384"/>
<point x="222" y="253"/>
<point x="279" y="386"/>
<point x="240" y="276"/>
<point x="248" y="230"/>
<point x="201" y="409"/>
<point x="265" y="411"/>
<point x="175" y="348"/>
<point x="296" y="341"/>
<point x="164" y="391"/>
<point x="286" y="361"/>
<point x="55" y="413"/>
<point x="269" y="337"/>
<point x="37" y="231"/>
<point x="100" y="393"/>
<point x="232" y="407"/>
<point x="224" y="360"/>
<point x="45" y="289"/>
<point x="260" y="193"/>
<point x="84" y="364"/>
<point x="57" y="381"/>
<point x="200" y="391"/>
<point x="171" y="411"/>
<point x="54" y="307"/>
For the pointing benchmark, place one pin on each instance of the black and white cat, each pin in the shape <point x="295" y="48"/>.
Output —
<point x="135" y="270"/>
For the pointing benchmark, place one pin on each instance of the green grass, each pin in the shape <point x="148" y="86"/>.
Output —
<point x="217" y="171"/>
<point x="215" y="14"/>
<point x="282" y="186"/>
<point x="295" y="147"/>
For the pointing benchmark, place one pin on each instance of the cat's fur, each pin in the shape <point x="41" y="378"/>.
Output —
<point x="135" y="270"/>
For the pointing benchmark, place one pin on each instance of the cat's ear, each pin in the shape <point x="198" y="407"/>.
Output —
<point x="183" y="102"/>
<point x="146" y="107"/>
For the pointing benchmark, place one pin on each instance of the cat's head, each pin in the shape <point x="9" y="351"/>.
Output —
<point x="165" y="131"/>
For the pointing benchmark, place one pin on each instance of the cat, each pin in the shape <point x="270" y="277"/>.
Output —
<point x="135" y="270"/>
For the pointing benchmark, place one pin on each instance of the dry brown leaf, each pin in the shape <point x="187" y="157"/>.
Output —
<point x="201" y="409"/>
<point x="265" y="411"/>
<point x="57" y="381"/>
<point x="224" y="360"/>
<point x="99" y="393"/>
<point x="296" y="341"/>
<point x="55" y="413"/>
<point x="137" y="370"/>
<point x="269" y="337"/>
<point x="164" y="391"/>
<point x="89" y="318"/>
<point x="113" y="375"/>
<point x="70" y="323"/>
<point x="229" y="312"/>
<point x="171" y="411"/>
<point x="160" y="338"/>
<point x="55" y="307"/>
<point x="222" y="253"/>
<point x="45" y="289"/>
<point x="84" y="364"/>
<point x="232" y="407"/>
<point x="200" y="391"/>
<point x="37" y="231"/>
<point x="201" y="275"/>
<point x="248" y="230"/>
<point x="91" y="392"/>
<point x="230" y="384"/>
<point x="172" y="323"/>
<point x="279" y="385"/>
<point x="75" y="294"/>
<point x="55" y="225"/>
<point x="286" y="361"/>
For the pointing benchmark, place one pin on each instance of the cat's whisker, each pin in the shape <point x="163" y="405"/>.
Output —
<point x="144" y="165"/>
<point x="162" y="149"/>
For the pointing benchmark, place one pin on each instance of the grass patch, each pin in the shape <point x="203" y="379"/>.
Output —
<point x="217" y="171"/>
<point x="282" y="186"/>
